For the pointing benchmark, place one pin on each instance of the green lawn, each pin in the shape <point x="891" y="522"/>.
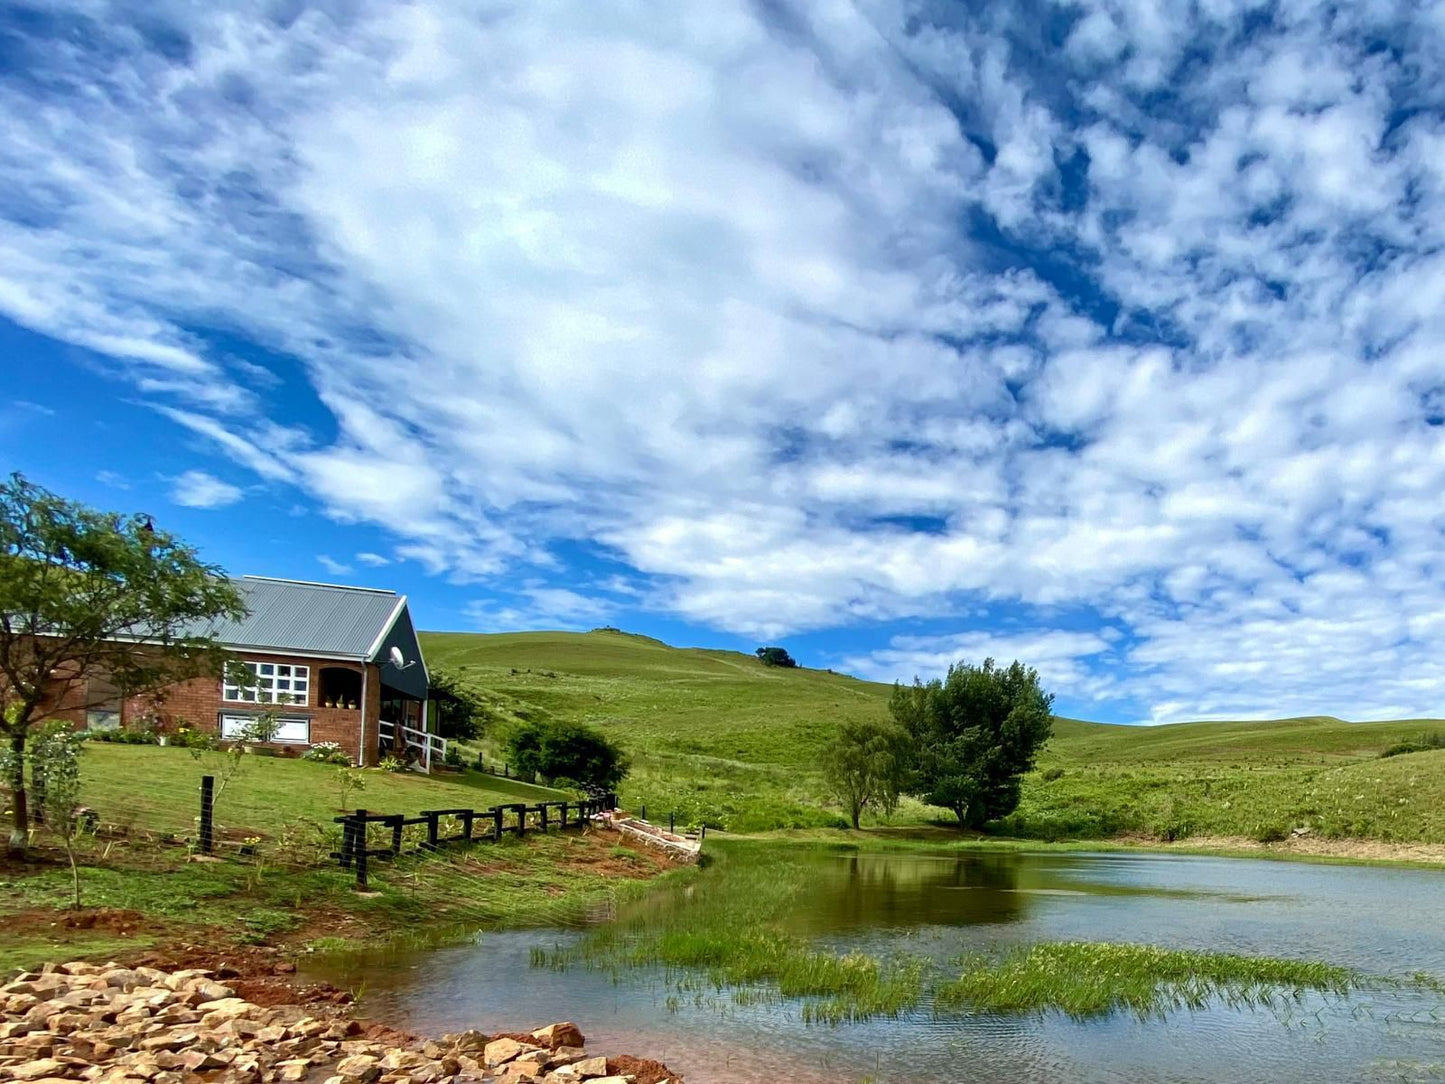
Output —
<point x="274" y="879"/>
<point x="716" y="736"/>
<point x="155" y="788"/>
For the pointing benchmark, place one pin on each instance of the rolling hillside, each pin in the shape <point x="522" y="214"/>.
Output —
<point x="716" y="736"/>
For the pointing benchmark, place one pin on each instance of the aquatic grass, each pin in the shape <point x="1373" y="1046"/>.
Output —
<point x="1086" y="979"/>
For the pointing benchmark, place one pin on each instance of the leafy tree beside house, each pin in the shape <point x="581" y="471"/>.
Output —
<point x="973" y="735"/>
<point x="460" y="712"/>
<point x="92" y="595"/>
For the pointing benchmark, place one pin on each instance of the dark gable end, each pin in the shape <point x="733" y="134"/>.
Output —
<point x="413" y="679"/>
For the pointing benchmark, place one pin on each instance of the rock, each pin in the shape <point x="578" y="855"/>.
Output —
<point x="121" y="977"/>
<point x="588" y="1068"/>
<point x="293" y="1070"/>
<point x="500" y="1051"/>
<point x="358" y="1067"/>
<point x="35" y="1070"/>
<point x="554" y="1035"/>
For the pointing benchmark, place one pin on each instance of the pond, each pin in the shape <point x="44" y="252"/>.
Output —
<point x="1385" y="922"/>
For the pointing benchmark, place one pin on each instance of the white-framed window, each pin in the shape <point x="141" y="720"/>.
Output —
<point x="294" y="729"/>
<point x="276" y="683"/>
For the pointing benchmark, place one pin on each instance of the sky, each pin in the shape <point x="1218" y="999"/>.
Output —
<point x="1104" y="335"/>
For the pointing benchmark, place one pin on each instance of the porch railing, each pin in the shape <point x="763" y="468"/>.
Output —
<point x="430" y="748"/>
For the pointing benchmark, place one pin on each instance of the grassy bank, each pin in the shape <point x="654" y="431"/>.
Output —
<point x="274" y="882"/>
<point x="717" y="737"/>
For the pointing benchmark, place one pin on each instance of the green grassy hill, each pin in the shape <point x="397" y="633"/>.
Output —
<point x="717" y="736"/>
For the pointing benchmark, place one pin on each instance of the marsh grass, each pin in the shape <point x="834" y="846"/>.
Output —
<point x="1086" y="979"/>
<point x="726" y="931"/>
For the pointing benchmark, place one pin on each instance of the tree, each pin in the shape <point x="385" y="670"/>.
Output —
<point x="93" y="595"/>
<point x="459" y="711"/>
<point x="775" y="656"/>
<point x="55" y="761"/>
<point x="974" y="734"/>
<point x="560" y="749"/>
<point x="866" y="764"/>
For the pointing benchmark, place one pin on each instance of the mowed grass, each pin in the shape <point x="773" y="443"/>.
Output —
<point x="158" y="789"/>
<point x="717" y="737"/>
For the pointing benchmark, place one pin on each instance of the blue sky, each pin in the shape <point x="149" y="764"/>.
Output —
<point x="1105" y="334"/>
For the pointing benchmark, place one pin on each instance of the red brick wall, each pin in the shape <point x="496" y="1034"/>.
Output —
<point x="199" y="703"/>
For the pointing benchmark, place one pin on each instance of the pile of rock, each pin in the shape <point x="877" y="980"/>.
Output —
<point x="116" y="1025"/>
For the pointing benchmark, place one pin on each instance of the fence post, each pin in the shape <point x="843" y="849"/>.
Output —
<point x="207" y="840"/>
<point x="672" y="824"/>
<point x="702" y="833"/>
<point x="467" y="823"/>
<point x="542" y="808"/>
<point x="506" y="770"/>
<point x="358" y="840"/>
<point x="396" y="836"/>
<point x="497" y="823"/>
<point x="521" y="819"/>
<point x="643" y="814"/>
<point x="431" y="829"/>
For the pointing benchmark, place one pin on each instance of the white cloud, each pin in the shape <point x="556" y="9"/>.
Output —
<point x="197" y="489"/>
<point x="333" y="566"/>
<point x="539" y="606"/>
<point x="372" y="560"/>
<point x="701" y="290"/>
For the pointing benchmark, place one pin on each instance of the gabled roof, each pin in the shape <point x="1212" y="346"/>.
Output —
<point x="306" y="618"/>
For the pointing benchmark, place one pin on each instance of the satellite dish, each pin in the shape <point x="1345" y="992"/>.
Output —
<point x="398" y="659"/>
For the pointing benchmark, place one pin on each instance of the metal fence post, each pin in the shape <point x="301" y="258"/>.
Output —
<point x="207" y="841"/>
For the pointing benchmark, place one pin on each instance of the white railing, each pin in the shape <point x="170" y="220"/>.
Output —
<point x="431" y="747"/>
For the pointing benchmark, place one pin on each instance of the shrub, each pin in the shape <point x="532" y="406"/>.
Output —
<point x="327" y="752"/>
<point x="1435" y="739"/>
<point x="123" y="737"/>
<point x="1268" y="832"/>
<point x="559" y="748"/>
<point x="391" y="764"/>
<point x="453" y="759"/>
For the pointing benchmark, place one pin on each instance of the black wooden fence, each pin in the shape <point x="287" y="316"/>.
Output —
<point x="494" y="823"/>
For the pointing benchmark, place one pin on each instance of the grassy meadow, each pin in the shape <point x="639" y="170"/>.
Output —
<point x="274" y="882"/>
<point x="717" y="737"/>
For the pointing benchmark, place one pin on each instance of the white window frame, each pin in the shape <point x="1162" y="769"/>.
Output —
<point x="268" y="675"/>
<point x="294" y="729"/>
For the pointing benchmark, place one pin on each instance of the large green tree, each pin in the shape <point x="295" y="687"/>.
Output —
<point x="559" y="749"/>
<point x="974" y="734"/>
<point x="93" y="595"/>
<point x="866" y="765"/>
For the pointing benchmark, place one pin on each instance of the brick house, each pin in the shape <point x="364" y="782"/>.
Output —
<point x="338" y="664"/>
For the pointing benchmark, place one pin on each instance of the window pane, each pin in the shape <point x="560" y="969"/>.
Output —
<point x="283" y="683"/>
<point x="299" y="685"/>
<point x="283" y="671"/>
<point x="303" y="671"/>
<point x="251" y="666"/>
<point x="267" y="668"/>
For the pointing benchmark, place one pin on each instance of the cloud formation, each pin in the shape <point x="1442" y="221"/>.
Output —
<point x="806" y="315"/>
<point x="197" y="489"/>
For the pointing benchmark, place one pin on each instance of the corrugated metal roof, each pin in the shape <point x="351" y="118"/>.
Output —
<point x="289" y="615"/>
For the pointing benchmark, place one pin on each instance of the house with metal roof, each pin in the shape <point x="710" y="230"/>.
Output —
<point x="336" y="664"/>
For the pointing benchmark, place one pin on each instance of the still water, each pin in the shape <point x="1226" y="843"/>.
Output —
<point x="1381" y="921"/>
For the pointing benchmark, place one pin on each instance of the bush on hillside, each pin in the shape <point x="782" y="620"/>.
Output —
<point x="775" y="656"/>
<point x="562" y="749"/>
<point x="1435" y="739"/>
